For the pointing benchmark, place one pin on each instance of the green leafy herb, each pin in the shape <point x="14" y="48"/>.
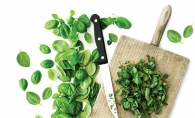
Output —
<point x="23" y="83"/>
<point x="95" y="55"/>
<point x="143" y="89"/>
<point x="174" y="36"/>
<point x="60" y="45"/>
<point x="109" y="42"/>
<point x="72" y="12"/>
<point x="88" y="37"/>
<point x="44" y="49"/>
<point x="64" y="30"/>
<point x="36" y="77"/>
<point x="113" y="37"/>
<point x="23" y="59"/>
<point x="33" y="98"/>
<point x="55" y="16"/>
<point x="81" y="74"/>
<point x="47" y="63"/>
<point x="52" y="74"/>
<point x="38" y="116"/>
<point x="188" y="31"/>
<point x="47" y="93"/>
<point x="51" y="24"/>
<point x="122" y="22"/>
<point x="80" y="26"/>
<point x="83" y="18"/>
<point x="56" y="31"/>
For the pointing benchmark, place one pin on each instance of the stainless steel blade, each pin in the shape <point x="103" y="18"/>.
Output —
<point x="104" y="68"/>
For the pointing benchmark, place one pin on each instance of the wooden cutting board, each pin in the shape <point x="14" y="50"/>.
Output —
<point x="132" y="49"/>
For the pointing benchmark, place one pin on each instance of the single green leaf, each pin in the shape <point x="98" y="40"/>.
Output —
<point x="36" y="77"/>
<point x="73" y="59"/>
<point x="60" y="45"/>
<point x="80" y="44"/>
<point x="64" y="78"/>
<point x="109" y="42"/>
<point x="64" y="30"/>
<point x="108" y="21"/>
<point x="38" y="116"/>
<point x="95" y="55"/>
<point x="23" y="59"/>
<point x="55" y="16"/>
<point x="74" y="40"/>
<point x="60" y="71"/>
<point x="51" y="24"/>
<point x="47" y="93"/>
<point x="56" y="95"/>
<point x="86" y="83"/>
<point x="103" y="24"/>
<point x="47" y="63"/>
<point x="72" y="12"/>
<point x="87" y="109"/>
<point x="71" y="20"/>
<point x="136" y="79"/>
<point x="80" y="26"/>
<point x="113" y="37"/>
<point x="188" y="31"/>
<point x="58" y="57"/>
<point x="44" y="49"/>
<point x="33" y="98"/>
<point x="174" y="36"/>
<point x="88" y="37"/>
<point x="56" y="31"/>
<point x="122" y="22"/>
<point x="81" y="74"/>
<point x="73" y="32"/>
<point x="83" y="18"/>
<point x="68" y="53"/>
<point x="52" y="74"/>
<point x="23" y="83"/>
<point x="66" y="88"/>
<point x="91" y="68"/>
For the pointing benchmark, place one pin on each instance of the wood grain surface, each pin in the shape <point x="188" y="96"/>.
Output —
<point x="131" y="49"/>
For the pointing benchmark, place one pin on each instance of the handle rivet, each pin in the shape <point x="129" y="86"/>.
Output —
<point x="95" y="20"/>
<point x="99" y="38"/>
<point x="102" y="57"/>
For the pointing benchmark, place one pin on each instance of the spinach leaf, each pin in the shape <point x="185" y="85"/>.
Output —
<point x="60" y="116"/>
<point x="72" y="12"/>
<point x="47" y="93"/>
<point x="188" y="31"/>
<point x="64" y="30"/>
<point x="122" y="22"/>
<point x="91" y="68"/>
<point x="83" y="18"/>
<point x="73" y="59"/>
<point x="88" y="37"/>
<point x="52" y="74"/>
<point x="23" y="83"/>
<point x="56" y="31"/>
<point x="23" y="59"/>
<point x="44" y="49"/>
<point x="174" y="36"/>
<point x="66" y="88"/>
<point x="47" y="63"/>
<point x="60" y="45"/>
<point x="80" y="26"/>
<point x="33" y="98"/>
<point x="51" y="24"/>
<point x="38" y="116"/>
<point x="68" y="53"/>
<point x="36" y="77"/>
<point x="113" y="37"/>
<point x="55" y="16"/>
<point x="95" y="55"/>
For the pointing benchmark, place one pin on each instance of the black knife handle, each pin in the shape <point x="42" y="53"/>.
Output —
<point x="99" y="39"/>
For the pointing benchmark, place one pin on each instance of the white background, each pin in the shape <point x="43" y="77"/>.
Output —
<point x="21" y="27"/>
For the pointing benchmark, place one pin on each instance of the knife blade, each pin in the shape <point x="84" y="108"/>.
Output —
<point x="103" y="62"/>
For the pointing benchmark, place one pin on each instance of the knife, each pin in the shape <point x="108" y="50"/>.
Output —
<point x="103" y="62"/>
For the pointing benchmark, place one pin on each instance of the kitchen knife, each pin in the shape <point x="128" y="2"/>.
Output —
<point x="103" y="62"/>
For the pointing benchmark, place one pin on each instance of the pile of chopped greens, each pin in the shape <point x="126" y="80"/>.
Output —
<point x="142" y="89"/>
